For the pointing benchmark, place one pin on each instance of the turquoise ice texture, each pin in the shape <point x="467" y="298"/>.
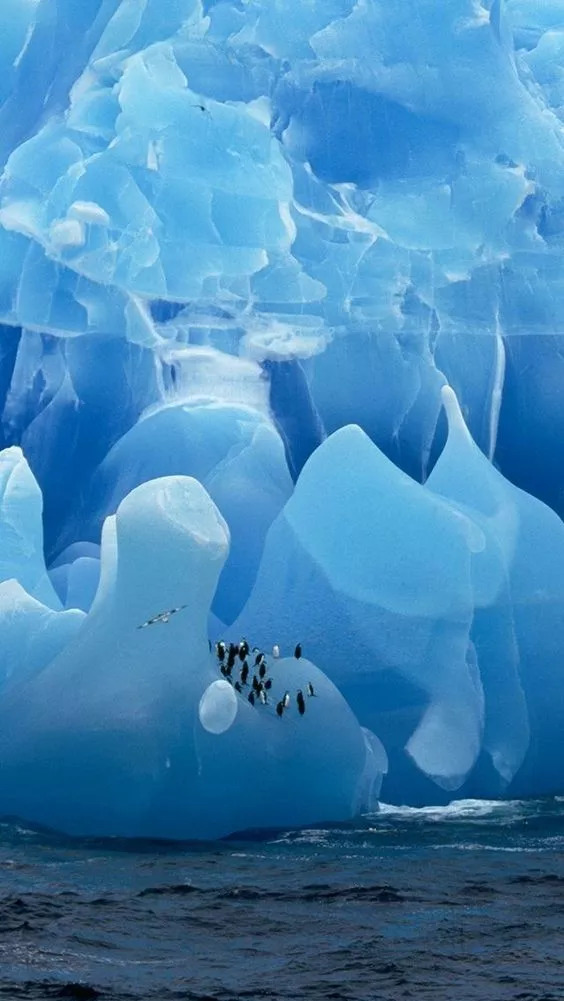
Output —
<point x="281" y="346"/>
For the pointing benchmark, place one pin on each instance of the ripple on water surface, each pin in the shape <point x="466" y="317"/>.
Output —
<point x="447" y="903"/>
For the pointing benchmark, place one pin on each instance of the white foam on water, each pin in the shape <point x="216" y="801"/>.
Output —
<point x="463" y="809"/>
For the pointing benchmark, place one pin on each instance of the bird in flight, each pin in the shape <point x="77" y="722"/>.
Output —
<point x="162" y="616"/>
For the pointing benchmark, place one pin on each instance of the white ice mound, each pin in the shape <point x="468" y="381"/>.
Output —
<point x="21" y="530"/>
<point x="218" y="707"/>
<point x="373" y="572"/>
<point x="130" y="729"/>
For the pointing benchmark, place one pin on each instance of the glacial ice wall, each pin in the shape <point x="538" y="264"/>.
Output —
<point x="281" y="346"/>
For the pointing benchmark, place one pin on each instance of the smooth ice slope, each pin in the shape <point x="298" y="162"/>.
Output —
<point x="32" y="634"/>
<point x="372" y="572"/>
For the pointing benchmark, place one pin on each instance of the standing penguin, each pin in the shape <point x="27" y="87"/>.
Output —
<point x="301" y="702"/>
<point x="262" y="670"/>
<point x="280" y="707"/>
<point x="276" y="650"/>
<point x="251" y="698"/>
<point x="244" y="673"/>
<point x="310" y="690"/>
<point x="298" y="651"/>
<point x="220" y="650"/>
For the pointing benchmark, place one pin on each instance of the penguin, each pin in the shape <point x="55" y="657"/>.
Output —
<point x="301" y="702"/>
<point x="220" y="650"/>
<point x="276" y="650"/>
<point x="232" y="654"/>
<point x="223" y="670"/>
<point x="256" y="684"/>
<point x="310" y="690"/>
<point x="227" y="671"/>
<point x="268" y="684"/>
<point x="280" y="707"/>
<point x="298" y="651"/>
<point x="209" y="645"/>
<point x="262" y="697"/>
<point x="262" y="670"/>
<point x="251" y="698"/>
<point x="259" y="659"/>
<point x="286" y="699"/>
<point x="237" y="687"/>
<point x="244" y="673"/>
<point x="243" y="649"/>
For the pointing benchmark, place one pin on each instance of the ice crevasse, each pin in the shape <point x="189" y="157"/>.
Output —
<point x="280" y="359"/>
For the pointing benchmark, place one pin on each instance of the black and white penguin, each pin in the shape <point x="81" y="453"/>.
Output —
<point x="276" y="650"/>
<point x="220" y="650"/>
<point x="237" y="686"/>
<point x="268" y="684"/>
<point x="310" y="690"/>
<point x="256" y="684"/>
<point x="301" y="702"/>
<point x="243" y="649"/>
<point x="231" y="655"/>
<point x="298" y="651"/>
<point x="262" y="670"/>
<point x="244" y="673"/>
<point x="262" y="696"/>
<point x="280" y="707"/>
<point x="259" y="659"/>
<point x="251" y="698"/>
<point x="286" y="699"/>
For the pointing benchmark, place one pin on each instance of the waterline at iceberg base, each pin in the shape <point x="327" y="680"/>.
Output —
<point x="281" y="358"/>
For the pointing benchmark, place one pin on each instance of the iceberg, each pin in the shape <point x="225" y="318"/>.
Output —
<point x="130" y="729"/>
<point x="281" y="357"/>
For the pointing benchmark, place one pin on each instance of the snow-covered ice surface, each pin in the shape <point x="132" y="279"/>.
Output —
<point x="281" y="349"/>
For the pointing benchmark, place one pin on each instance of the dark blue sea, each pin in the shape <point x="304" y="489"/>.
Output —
<point x="450" y="904"/>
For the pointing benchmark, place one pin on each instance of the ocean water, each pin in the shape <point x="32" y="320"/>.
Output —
<point x="450" y="903"/>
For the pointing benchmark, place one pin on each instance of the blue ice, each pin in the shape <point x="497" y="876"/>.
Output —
<point x="281" y="346"/>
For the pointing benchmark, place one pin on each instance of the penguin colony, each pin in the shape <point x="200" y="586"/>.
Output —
<point x="237" y="662"/>
<point x="233" y="662"/>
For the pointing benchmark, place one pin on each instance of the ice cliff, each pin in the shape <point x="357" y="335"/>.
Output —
<point x="281" y="350"/>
